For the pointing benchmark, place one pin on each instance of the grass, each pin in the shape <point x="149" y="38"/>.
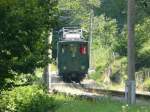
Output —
<point x="72" y="104"/>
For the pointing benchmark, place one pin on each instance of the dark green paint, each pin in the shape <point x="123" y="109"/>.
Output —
<point x="70" y="59"/>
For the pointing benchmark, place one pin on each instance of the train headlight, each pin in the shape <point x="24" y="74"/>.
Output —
<point x="63" y="50"/>
<point x="64" y="67"/>
<point x="82" y="67"/>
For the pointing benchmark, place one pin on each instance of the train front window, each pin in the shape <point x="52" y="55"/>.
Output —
<point x="73" y="50"/>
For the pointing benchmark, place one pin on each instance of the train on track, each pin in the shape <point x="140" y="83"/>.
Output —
<point x="72" y="54"/>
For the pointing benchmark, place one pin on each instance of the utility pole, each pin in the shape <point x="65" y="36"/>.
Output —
<point x="131" y="85"/>
<point x="47" y="71"/>
<point x="90" y="36"/>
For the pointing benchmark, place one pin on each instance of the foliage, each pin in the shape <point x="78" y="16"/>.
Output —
<point x="114" y="9"/>
<point x="142" y="39"/>
<point x="77" y="12"/>
<point x="119" y="69"/>
<point x="142" y="8"/>
<point x="26" y="99"/>
<point x="142" y="46"/>
<point x="24" y="28"/>
<point x="24" y="80"/>
<point x="117" y="9"/>
<point x="120" y="44"/>
<point x="104" y="32"/>
<point x="147" y="84"/>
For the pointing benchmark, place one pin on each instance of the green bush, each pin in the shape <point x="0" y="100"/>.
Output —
<point x="97" y="74"/>
<point x="147" y="84"/>
<point x="26" y="99"/>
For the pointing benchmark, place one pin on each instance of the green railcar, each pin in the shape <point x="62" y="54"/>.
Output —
<point x="72" y="57"/>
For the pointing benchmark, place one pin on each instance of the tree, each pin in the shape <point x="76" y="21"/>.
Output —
<point x="24" y="28"/>
<point x="115" y="9"/>
<point x="141" y="44"/>
<point x="77" y="12"/>
<point x="143" y="7"/>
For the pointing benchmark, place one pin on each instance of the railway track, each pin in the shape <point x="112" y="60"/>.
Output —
<point x="95" y="93"/>
<point x="90" y="90"/>
<point x="118" y="93"/>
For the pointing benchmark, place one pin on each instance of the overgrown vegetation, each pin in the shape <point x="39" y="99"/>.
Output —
<point x="147" y="84"/>
<point x="24" y="28"/>
<point x="76" y="104"/>
<point x="26" y="99"/>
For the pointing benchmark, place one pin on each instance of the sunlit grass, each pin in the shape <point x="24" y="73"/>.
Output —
<point x="73" y="104"/>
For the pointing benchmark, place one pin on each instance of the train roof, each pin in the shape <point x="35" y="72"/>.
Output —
<point x="72" y="34"/>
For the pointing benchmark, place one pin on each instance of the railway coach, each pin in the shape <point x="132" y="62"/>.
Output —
<point x="72" y="55"/>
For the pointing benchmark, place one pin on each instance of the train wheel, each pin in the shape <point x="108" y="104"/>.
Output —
<point x="66" y="79"/>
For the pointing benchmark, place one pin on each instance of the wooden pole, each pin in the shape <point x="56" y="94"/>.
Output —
<point x="131" y="53"/>
<point x="90" y="38"/>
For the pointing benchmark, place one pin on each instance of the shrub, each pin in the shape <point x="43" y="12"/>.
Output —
<point x="26" y="99"/>
<point x="147" y="84"/>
